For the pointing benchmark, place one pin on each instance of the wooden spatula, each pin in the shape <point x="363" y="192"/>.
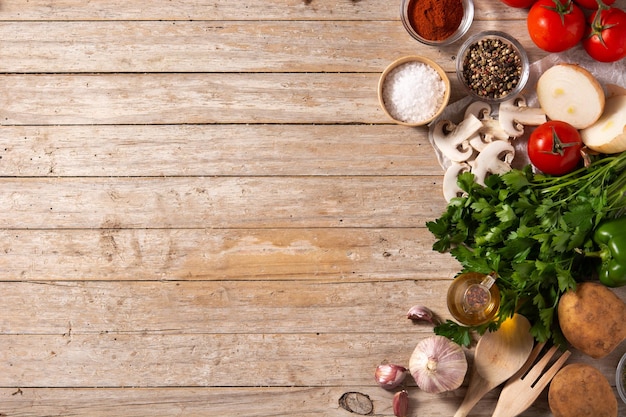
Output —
<point x="498" y="356"/>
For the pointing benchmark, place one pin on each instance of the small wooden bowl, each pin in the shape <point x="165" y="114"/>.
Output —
<point x="430" y="63"/>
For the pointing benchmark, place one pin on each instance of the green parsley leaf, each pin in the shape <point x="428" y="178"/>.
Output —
<point x="455" y="332"/>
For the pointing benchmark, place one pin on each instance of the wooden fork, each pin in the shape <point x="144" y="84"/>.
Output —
<point x="523" y="388"/>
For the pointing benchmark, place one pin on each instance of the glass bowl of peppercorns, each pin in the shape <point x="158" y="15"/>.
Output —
<point x="437" y="22"/>
<point x="492" y="66"/>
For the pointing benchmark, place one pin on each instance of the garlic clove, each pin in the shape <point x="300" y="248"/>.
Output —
<point x="438" y="364"/>
<point x="418" y="312"/>
<point x="401" y="403"/>
<point x="389" y="376"/>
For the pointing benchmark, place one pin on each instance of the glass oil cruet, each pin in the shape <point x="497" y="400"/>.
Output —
<point x="474" y="298"/>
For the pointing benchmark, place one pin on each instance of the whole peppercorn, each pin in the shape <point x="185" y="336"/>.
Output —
<point x="491" y="68"/>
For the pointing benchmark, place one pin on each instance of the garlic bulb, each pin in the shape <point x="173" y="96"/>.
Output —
<point x="438" y="365"/>
<point x="390" y="376"/>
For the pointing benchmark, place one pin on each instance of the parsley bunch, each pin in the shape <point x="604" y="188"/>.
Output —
<point x="532" y="230"/>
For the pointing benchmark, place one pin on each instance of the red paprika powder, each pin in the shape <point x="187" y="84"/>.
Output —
<point x="435" y="20"/>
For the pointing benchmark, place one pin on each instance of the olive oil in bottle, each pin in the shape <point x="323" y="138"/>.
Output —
<point x="473" y="298"/>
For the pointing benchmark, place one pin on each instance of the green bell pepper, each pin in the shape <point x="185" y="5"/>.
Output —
<point x="610" y="236"/>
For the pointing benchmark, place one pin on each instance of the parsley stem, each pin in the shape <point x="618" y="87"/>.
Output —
<point x="599" y="173"/>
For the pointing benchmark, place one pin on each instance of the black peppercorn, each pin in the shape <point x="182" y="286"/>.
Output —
<point x="491" y="68"/>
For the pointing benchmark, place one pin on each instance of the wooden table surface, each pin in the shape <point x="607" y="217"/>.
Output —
<point x="204" y="210"/>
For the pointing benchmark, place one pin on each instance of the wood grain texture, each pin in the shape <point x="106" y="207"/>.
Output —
<point x="219" y="202"/>
<point x="218" y="46"/>
<point x="353" y="10"/>
<point x="204" y="211"/>
<point x="223" y="254"/>
<point x="254" y="402"/>
<point x="220" y="307"/>
<point x="215" y="150"/>
<point x="206" y="98"/>
<point x="205" y="360"/>
<point x="189" y="99"/>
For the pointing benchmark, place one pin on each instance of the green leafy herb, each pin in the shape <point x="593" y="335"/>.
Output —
<point x="532" y="230"/>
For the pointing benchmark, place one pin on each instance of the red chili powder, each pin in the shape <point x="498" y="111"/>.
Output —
<point x="435" y="20"/>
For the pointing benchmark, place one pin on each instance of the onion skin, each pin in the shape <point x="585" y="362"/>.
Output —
<point x="438" y="365"/>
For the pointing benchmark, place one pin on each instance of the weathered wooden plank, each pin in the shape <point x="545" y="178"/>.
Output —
<point x="210" y="360"/>
<point x="165" y="46"/>
<point x="131" y="99"/>
<point x="189" y="98"/>
<point x="313" y="254"/>
<point x="186" y="360"/>
<point x="221" y="202"/>
<point x="215" y="150"/>
<point x="167" y="402"/>
<point x="243" y="402"/>
<point x="224" y="10"/>
<point x="224" y="307"/>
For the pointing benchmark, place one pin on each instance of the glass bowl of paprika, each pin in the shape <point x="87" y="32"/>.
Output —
<point x="437" y="22"/>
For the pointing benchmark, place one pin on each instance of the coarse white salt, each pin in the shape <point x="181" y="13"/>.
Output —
<point x="413" y="92"/>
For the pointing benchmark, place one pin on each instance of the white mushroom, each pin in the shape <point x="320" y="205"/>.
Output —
<point x="491" y="129"/>
<point x="451" y="188"/>
<point x="514" y="115"/>
<point x="480" y="109"/>
<point x="453" y="140"/>
<point x="496" y="158"/>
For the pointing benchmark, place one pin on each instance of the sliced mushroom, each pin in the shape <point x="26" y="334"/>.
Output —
<point x="491" y="129"/>
<point x="480" y="109"/>
<point x="496" y="158"/>
<point x="514" y="115"/>
<point x="453" y="140"/>
<point x="451" y="187"/>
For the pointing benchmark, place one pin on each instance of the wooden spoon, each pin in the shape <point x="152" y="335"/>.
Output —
<point x="498" y="356"/>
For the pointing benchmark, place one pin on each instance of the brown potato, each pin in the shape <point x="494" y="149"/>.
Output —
<point x="592" y="319"/>
<point x="580" y="390"/>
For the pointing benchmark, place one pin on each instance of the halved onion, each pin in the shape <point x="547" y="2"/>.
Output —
<point x="608" y="133"/>
<point x="570" y="93"/>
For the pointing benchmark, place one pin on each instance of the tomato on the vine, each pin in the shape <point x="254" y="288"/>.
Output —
<point x="593" y="4"/>
<point x="605" y="40"/>
<point x="556" y="25"/>
<point x="554" y="147"/>
<point x="520" y="4"/>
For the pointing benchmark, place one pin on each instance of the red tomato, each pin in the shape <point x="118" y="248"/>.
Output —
<point x="555" y="25"/>
<point x="593" y="4"/>
<point x="521" y="4"/>
<point x="554" y="147"/>
<point x="605" y="39"/>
